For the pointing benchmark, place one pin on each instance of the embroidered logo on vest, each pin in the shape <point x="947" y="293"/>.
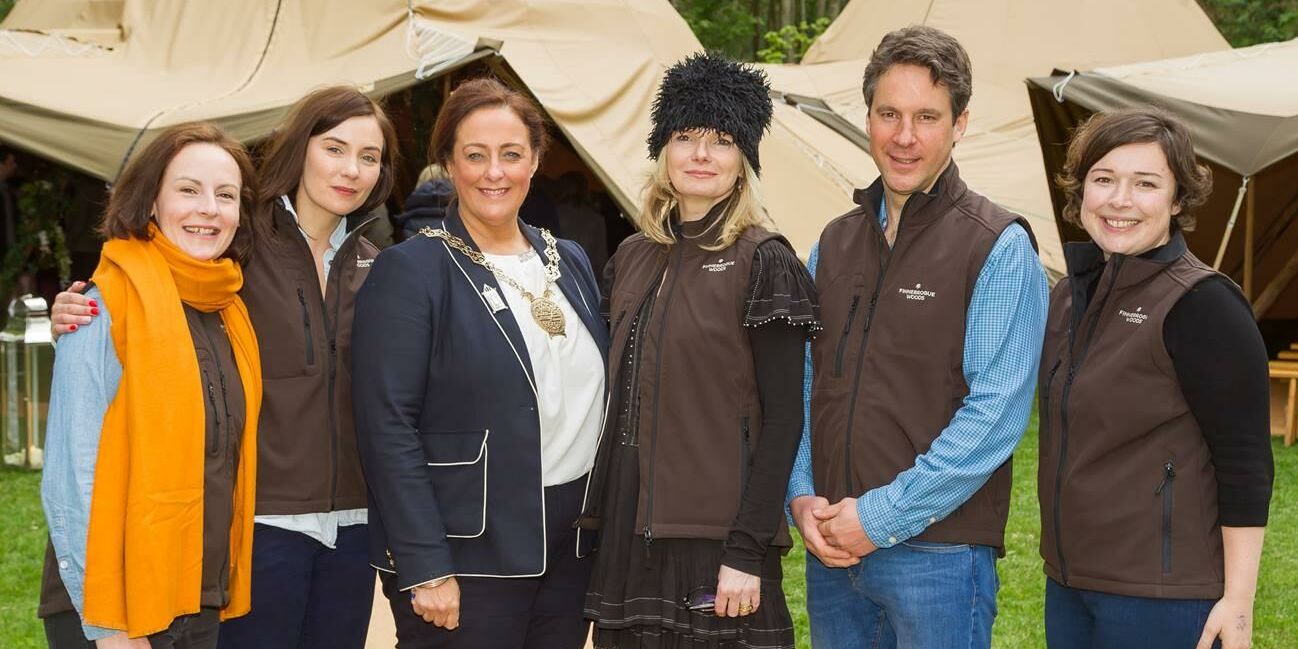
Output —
<point x="364" y="263"/>
<point x="1135" y="317"/>
<point x="919" y="293"/>
<point x="720" y="266"/>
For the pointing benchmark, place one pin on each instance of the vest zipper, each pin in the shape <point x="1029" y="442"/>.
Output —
<point x="1167" y="491"/>
<point x="1074" y="364"/>
<point x="745" y="456"/>
<point x="847" y="332"/>
<point x="306" y="327"/>
<point x="1045" y="415"/>
<point x="658" y="375"/>
<point x="860" y="363"/>
<point x="213" y="442"/>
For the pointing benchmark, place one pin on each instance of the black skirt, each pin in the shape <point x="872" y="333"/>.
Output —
<point x="637" y="592"/>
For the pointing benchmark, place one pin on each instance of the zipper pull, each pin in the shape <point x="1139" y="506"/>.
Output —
<point x="648" y="541"/>
<point x="1169" y="472"/>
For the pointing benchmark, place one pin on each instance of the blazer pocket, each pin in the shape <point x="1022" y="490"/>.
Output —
<point x="458" y="462"/>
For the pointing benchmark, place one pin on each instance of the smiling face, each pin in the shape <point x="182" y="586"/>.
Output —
<point x="1128" y="200"/>
<point x="491" y="165"/>
<point x="911" y="129"/>
<point x="703" y="166"/>
<point x="197" y="207"/>
<point x="342" y="166"/>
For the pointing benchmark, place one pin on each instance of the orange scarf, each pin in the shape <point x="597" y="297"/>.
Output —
<point x="144" y="552"/>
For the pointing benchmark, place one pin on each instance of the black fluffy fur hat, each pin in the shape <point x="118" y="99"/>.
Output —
<point x="710" y="91"/>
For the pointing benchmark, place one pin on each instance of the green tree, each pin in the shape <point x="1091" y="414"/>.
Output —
<point x="1249" y="22"/>
<point x="5" y="6"/>
<point x="790" y="42"/>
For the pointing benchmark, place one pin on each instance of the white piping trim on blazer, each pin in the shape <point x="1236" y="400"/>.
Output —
<point x="483" y="456"/>
<point x="545" y="550"/>
<point x="608" y="401"/>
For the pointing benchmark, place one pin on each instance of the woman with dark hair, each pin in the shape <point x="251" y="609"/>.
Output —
<point x="324" y="170"/>
<point x="479" y="393"/>
<point x="1156" y="464"/>
<point x="710" y="313"/>
<point x="149" y="480"/>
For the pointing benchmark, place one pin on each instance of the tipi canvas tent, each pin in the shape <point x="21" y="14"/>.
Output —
<point x="86" y="82"/>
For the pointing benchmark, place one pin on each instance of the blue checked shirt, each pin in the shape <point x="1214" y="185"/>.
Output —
<point x="1005" y="326"/>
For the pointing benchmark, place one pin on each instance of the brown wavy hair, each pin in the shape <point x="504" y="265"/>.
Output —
<point x="1106" y="131"/>
<point x="485" y="92"/>
<point x="130" y="205"/>
<point x="285" y="152"/>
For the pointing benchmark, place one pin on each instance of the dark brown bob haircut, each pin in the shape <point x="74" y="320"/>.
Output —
<point x="321" y="110"/>
<point x="1106" y="131"/>
<point x="476" y="94"/>
<point x="947" y="62"/>
<point x="130" y="205"/>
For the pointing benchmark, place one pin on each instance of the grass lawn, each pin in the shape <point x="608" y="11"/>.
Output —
<point x="1018" y="626"/>
<point x="1020" y="622"/>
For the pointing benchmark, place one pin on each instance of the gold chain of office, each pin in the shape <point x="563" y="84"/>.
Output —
<point x="546" y="313"/>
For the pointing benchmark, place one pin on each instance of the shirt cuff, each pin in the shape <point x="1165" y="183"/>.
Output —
<point x="798" y="486"/>
<point x="883" y="523"/>
<point x="94" y="633"/>
<point x="434" y="583"/>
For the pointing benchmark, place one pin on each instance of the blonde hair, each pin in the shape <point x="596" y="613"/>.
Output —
<point x="743" y="207"/>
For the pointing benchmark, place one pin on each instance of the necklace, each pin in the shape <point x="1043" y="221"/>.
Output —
<point x="547" y="314"/>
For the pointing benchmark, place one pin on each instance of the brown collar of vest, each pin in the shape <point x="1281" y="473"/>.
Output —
<point x="921" y="208"/>
<point x="704" y="231"/>
<point x="1085" y="258"/>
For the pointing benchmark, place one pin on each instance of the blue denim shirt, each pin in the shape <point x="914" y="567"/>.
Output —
<point x="86" y="375"/>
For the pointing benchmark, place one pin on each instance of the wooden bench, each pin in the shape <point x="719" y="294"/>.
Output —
<point x="1286" y="371"/>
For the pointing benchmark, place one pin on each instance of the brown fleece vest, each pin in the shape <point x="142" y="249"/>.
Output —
<point x="888" y="368"/>
<point x="700" y="416"/>
<point x="1127" y="489"/>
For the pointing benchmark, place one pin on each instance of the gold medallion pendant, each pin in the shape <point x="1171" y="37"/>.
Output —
<point x="548" y="315"/>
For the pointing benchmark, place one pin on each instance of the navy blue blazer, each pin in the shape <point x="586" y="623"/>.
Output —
<point x="446" y="411"/>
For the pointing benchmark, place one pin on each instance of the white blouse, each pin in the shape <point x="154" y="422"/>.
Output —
<point x="569" y="373"/>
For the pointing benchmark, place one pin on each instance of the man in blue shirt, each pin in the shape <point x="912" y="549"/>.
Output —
<point x="934" y="305"/>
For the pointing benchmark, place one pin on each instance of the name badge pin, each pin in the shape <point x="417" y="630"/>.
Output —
<point x="493" y="299"/>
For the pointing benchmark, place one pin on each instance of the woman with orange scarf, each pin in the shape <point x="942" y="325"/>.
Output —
<point x="151" y="455"/>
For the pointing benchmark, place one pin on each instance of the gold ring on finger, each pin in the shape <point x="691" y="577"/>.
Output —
<point x="745" y="609"/>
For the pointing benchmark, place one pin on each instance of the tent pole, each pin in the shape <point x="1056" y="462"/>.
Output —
<point x="1248" y="243"/>
<point x="1277" y="286"/>
<point x="1230" y="224"/>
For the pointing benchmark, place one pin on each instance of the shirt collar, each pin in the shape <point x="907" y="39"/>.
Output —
<point x="336" y="237"/>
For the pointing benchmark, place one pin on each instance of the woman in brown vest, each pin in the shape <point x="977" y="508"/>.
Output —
<point x="151" y="452"/>
<point x="1156" y="463"/>
<point x="710" y="312"/>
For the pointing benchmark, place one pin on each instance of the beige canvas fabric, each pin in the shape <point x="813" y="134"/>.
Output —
<point x="94" y="79"/>
<point x="1242" y="109"/>
<point x="1007" y="40"/>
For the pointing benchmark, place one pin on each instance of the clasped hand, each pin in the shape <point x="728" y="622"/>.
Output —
<point x="831" y="532"/>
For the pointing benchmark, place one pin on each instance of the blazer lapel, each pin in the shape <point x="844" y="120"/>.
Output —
<point x="583" y="300"/>
<point x="485" y="283"/>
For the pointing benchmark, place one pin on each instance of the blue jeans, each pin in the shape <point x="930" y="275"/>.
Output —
<point x="1086" y="619"/>
<point x="916" y="595"/>
<point x="304" y="594"/>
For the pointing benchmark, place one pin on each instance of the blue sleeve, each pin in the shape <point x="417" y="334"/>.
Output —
<point x="800" y="481"/>
<point x="1004" y="328"/>
<point x="86" y="376"/>
<point x="392" y="341"/>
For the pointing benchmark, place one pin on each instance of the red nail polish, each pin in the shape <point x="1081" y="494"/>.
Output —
<point x="94" y="311"/>
<point x="94" y="303"/>
<point x="73" y="327"/>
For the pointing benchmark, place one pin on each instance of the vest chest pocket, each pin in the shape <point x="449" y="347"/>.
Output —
<point x="458" y="462"/>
